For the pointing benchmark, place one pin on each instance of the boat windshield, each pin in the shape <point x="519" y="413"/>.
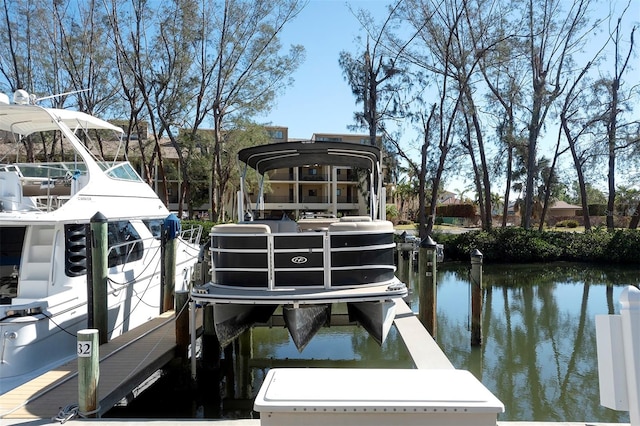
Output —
<point x="122" y="171"/>
<point x="49" y="170"/>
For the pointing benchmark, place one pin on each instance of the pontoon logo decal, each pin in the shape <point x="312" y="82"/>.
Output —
<point x="299" y="260"/>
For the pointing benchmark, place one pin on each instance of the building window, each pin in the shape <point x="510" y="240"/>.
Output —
<point x="339" y="192"/>
<point x="276" y="134"/>
<point x="313" y="172"/>
<point x="327" y="139"/>
<point x="313" y="193"/>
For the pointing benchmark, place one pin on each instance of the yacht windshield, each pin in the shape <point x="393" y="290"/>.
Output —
<point x="123" y="171"/>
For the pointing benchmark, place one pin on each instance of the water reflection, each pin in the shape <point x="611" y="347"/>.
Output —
<point x="539" y="343"/>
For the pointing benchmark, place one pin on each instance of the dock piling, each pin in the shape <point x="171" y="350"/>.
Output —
<point x="427" y="284"/>
<point x="170" y="235"/>
<point x="476" y="298"/>
<point x="99" y="254"/>
<point x="88" y="372"/>
<point x="182" y="323"/>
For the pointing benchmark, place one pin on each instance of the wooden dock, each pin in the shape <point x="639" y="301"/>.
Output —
<point x="125" y="363"/>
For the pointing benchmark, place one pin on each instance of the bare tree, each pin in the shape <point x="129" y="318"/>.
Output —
<point x="248" y="69"/>
<point x="442" y="21"/>
<point x="553" y="35"/>
<point x="127" y="23"/>
<point x="575" y="126"/>
<point x="612" y="115"/>
<point x="376" y="76"/>
<point x="88" y="66"/>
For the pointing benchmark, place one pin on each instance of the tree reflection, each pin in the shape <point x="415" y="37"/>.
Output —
<point x="539" y="355"/>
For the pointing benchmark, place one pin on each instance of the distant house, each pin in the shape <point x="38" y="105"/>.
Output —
<point x="448" y="197"/>
<point x="564" y="209"/>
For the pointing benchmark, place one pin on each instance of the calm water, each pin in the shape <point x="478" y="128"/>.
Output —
<point x="538" y="354"/>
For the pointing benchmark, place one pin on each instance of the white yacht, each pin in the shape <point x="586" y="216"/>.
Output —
<point x="45" y="214"/>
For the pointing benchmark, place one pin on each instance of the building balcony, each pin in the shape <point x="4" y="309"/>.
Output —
<point x="314" y="199"/>
<point x="281" y="175"/>
<point x="348" y="199"/>
<point x="321" y="177"/>
<point x="269" y="198"/>
<point x="349" y="177"/>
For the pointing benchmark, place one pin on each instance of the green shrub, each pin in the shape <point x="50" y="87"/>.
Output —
<point x="624" y="246"/>
<point x="391" y="211"/>
<point x="569" y="223"/>
<point x="518" y="245"/>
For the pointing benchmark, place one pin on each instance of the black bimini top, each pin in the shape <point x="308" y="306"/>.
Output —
<point x="292" y="154"/>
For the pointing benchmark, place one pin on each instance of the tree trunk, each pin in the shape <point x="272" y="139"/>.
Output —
<point x="507" y="191"/>
<point x="635" y="217"/>
<point x="611" y="142"/>
<point x="549" y="183"/>
<point x="484" y="190"/>
<point x="578" y="165"/>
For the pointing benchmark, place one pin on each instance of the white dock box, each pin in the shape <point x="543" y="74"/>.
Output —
<point x="337" y="396"/>
<point x="611" y="364"/>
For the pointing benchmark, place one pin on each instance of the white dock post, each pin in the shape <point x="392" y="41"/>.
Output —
<point x="630" y="313"/>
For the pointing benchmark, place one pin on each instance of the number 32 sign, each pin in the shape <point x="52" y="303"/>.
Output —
<point x="84" y="349"/>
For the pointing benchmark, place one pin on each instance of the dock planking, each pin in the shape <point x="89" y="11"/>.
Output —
<point x="125" y="362"/>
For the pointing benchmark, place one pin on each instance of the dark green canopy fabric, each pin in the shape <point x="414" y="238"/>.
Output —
<point x="291" y="154"/>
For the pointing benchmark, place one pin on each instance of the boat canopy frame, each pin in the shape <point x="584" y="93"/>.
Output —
<point x="263" y="158"/>
<point x="24" y="120"/>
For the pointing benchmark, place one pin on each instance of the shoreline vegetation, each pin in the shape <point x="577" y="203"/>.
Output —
<point x="519" y="245"/>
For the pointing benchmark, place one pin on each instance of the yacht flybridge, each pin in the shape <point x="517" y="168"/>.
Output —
<point x="45" y="212"/>
<point x="308" y="265"/>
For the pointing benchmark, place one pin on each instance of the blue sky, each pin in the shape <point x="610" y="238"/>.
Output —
<point x="320" y="101"/>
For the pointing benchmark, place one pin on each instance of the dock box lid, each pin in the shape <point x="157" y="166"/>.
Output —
<point x="447" y="390"/>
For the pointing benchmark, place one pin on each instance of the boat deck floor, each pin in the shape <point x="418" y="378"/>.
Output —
<point x="222" y="294"/>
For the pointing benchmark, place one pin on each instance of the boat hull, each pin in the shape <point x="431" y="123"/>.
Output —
<point x="231" y="320"/>
<point x="39" y="333"/>
<point x="376" y="317"/>
<point x="304" y="321"/>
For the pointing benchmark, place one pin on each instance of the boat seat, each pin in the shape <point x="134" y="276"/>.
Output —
<point x="316" y="224"/>
<point x="242" y="228"/>
<point x="276" y="226"/>
<point x="373" y="226"/>
<point x="287" y="226"/>
<point x="355" y="219"/>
